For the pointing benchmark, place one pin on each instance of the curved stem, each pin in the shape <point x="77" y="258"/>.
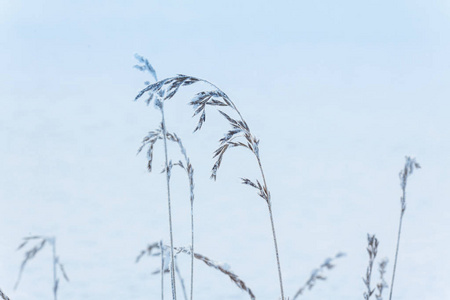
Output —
<point x="172" y="268"/>
<point x="216" y="87"/>
<point x="265" y="185"/>
<point x="269" y="204"/>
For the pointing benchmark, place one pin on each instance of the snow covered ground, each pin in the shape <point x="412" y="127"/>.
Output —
<point x="338" y="93"/>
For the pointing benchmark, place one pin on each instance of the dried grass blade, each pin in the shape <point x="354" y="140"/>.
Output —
<point x="63" y="271"/>
<point x="240" y="283"/>
<point x="30" y="254"/>
<point x="317" y="274"/>
<point x="3" y="295"/>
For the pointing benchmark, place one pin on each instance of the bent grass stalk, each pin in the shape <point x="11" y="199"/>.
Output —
<point x="239" y="135"/>
<point x="4" y="297"/>
<point x="164" y="268"/>
<point x="223" y="268"/>
<point x="31" y="253"/>
<point x="318" y="274"/>
<point x="407" y="170"/>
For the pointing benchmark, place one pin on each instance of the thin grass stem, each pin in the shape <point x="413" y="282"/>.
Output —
<point x="274" y="235"/>
<point x="192" y="250"/>
<point x="396" y="253"/>
<point x="167" y="88"/>
<point x="407" y="170"/>
<point x="183" y="287"/>
<point x="172" y="268"/>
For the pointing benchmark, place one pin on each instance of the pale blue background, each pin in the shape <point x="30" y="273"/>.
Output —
<point x="337" y="91"/>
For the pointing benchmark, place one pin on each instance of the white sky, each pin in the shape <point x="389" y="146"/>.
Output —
<point x="337" y="91"/>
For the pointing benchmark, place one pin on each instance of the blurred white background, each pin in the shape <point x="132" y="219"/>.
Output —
<point x="337" y="91"/>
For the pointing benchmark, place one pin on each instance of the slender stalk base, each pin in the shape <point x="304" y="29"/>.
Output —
<point x="396" y="251"/>
<point x="192" y="250"/>
<point x="181" y="281"/>
<point x="172" y="262"/>
<point x="269" y="204"/>
<point x="276" y="252"/>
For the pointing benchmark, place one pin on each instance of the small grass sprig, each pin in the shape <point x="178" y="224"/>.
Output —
<point x="318" y="274"/>
<point x="382" y="283"/>
<point x="41" y="241"/>
<point x="372" y="250"/>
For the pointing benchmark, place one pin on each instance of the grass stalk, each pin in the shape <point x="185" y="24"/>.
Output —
<point x="150" y="140"/>
<point x="187" y="166"/>
<point x="239" y="135"/>
<point x="276" y="252"/>
<point x="274" y="235"/>
<point x="396" y="253"/>
<point x="160" y="104"/>
<point x="407" y="170"/>
<point x="192" y="250"/>
<point x="172" y="266"/>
